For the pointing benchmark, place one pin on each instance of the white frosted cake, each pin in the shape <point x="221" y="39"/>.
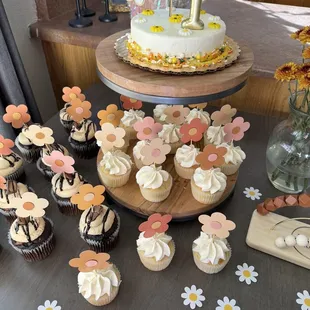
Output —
<point x="159" y="39"/>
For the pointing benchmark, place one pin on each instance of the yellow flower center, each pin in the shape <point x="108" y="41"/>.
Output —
<point x="156" y="225"/>
<point x="1" y="145"/>
<point x="72" y="96"/>
<point x="157" y="28"/>
<point x="307" y="302"/>
<point x="202" y="12"/>
<point x="214" y="25"/>
<point x="193" y="297"/>
<point x="16" y="116"/>
<point x="59" y="163"/>
<point x="192" y="131"/>
<point x="40" y="135"/>
<point x="147" y="12"/>
<point x="246" y="273"/>
<point x="251" y="193"/>
<point x="28" y="206"/>
<point x="133" y="100"/>
<point x="228" y="307"/>
<point x="49" y="308"/>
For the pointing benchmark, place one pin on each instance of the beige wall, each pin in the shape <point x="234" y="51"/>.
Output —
<point x="21" y="13"/>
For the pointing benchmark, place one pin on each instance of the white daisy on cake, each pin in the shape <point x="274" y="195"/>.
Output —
<point x="193" y="297"/>
<point x="227" y="304"/>
<point x="303" y="300"/>
<point x="246" y="273"/>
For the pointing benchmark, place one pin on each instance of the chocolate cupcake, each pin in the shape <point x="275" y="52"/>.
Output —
<point x="82" y="139"/>
<point x="65" y="118"/>
<point x="64" y="186"/>
<point x="46" y="151"/>
<point x="11" y="166"/>
<point x="99" y="228"/>
<point x="29" y="151"/>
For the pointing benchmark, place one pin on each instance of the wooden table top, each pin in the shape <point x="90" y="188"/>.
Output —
<point x="25" y="286"/>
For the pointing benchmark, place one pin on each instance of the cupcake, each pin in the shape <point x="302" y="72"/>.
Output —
<point x="137" y="156"/>
<point x="211" y="251"/>
<point x="208" y="185"/>
<point x="185" y="161"/>
<point x="159" y="113"/>
<point x="82" y="139"/>
<point x="8" y="191"/>
<point x="214" y="135"/>
<point x="11" y="166"/>
<point x="233" y="158"/>
<point x="128" y="120"/>
<point x="155" y="183"/>
<point x="98" y="280"/>
<point x="114" y="169"/>
<point x="31" y="234"/>
<point x="46" y="151"/>
<point x="29" y="151"/>
<point x="65" y="118"/>
<point x="204" y="116"/>
<point x="170" y="134"/>
<point x="155" y="248"/>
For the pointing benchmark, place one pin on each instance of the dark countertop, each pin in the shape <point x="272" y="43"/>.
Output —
<point x="25" y="286"/>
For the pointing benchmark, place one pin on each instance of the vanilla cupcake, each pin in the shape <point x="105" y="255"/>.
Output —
<point x="114" y="168"/>
<point x="11" y="166"/>
<point x="214" y="135"/>
<point x="185" y="161"/>
<point x="128" y="120"/>
<point x="211" y="254"/>
<point x="204" y="116"/>
<point x="137" y="156"/>
<point x="29" y="151"/>
<point x="158" y="113"/>
<point x="155" y="183"/>
<point x="208" y="185"/>
<point x="233" y="159"/>
<point x="170" y="134"/>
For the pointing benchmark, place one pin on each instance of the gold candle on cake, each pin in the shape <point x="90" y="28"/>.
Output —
<point x="194" y="22"/>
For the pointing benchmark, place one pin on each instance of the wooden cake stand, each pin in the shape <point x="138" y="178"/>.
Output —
<point x="159" y="88"/>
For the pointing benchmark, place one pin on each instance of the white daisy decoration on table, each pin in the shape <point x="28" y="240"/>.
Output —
<point x="227" y="304"/>
<point x="252" y="193"/>
<point x="303" y="300"/>
<point x="50" y="306"/>
<point x="193" y="297"/>
<point x="246" y="273"/>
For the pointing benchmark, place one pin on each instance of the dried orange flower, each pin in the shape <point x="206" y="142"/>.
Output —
<point x="306" y="53"/>
<point x="286" y="72"/>
<point x="303" y="70"/>
<point x="304" y="82"/>
<point x="304" y="36"/>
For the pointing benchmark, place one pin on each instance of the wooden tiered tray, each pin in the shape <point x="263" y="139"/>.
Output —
<point x="180" y="203"/>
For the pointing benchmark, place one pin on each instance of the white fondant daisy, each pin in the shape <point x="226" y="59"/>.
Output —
<point x="252" y="193"/>
<point x="184" y="32"/>
<point x="140" y="20"/>
<point x="214" y="18"/>
<point x="303" y="300"/>
<point x="227" y="304"/>
<point x="50" y="306"/>
<point x="193" y="297"/>
<point x="246" y="273"/>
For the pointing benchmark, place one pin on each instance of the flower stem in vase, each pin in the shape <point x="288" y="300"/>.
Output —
<point x="107" y="17"/>
<point x="79" y="21"/>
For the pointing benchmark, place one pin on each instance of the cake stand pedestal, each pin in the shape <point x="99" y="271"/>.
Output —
<point x="159" y="88"/>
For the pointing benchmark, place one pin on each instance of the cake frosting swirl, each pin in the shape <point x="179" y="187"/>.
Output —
<point x="151" y="177"/>
<point x="138" y="147"/>
<point x="46" y="151"/>
<point x="22" y="139"/>
<point x="159" y="112"/>
<point x="186" y="155"/>
<point x="170" y="133"/>
<point x="131" y="117"/>
<point x="204" y="116"/>
<point x="156" y="246"/>
<point x="14" y="190"/>
<point x="211" y="249"/>
<point x="9" y="164"/>
<point x="66" y="186"/>
<point x="234" y="154"/>
<point x="84" y="131"/>
<point x="215" y="135"/>
<point x="212" y="180"/>
<point x="64" y="115"/>
<point x="116" y="162"/>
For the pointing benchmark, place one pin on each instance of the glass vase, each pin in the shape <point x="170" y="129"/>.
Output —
<point x="288" y="150"/>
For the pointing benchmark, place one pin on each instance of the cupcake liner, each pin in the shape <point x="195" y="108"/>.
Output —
<point x="47" y="172"/>
<point x="17" y="175"/>
<point x="66" y="124"/>
<point x="138" y="162"/>
<point x="150" y="262"/>
<point x="9" y="215"/>
<point x="204" y="197"/>
<point x="131" y="134"/>
<point x="41" y="251"/>
<point x="84" y="150"/>
<point x="113" y="180"/>
<point x="29" y="156"/>
<point x="65" y="206"/>
<point x="158" y="194"/>
<point x="209" y="268"/>
<point x="104" y="245"/>
<point x="185" y="173"/>
<point x="175" y="146"/>
<point x="105" y="299"/>
<point x="229" y="169"/>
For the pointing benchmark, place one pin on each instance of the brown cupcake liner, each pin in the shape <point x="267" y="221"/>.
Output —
<point x="66" y="124"/>
<point x="65" y="206"/>
<point x="30" y="156"/>
<point x="84" y="150"/>
<point x="41" y="251"/>
<point x="48" y="173"/>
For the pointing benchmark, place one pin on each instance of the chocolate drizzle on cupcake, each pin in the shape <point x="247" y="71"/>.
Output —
<point x="52" y="147"/>
<point x="70" y="178"/>
<point x="86" y="127"/>
<point x="12" y="159"/>
<point x="24" y="225"/>
<point x="12" y="189"/>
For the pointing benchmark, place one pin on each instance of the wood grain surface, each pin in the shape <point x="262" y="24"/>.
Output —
<point x="180" y="203"/>
<point x="157" y="84"/>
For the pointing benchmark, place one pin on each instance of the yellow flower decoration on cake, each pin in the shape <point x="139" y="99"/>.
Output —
<point x="147" y="12"/>
<point x="214" y="26"/>
<point x="175" y="19"/>
<point x="202" y="12"/>
<point x="286" y="72"/>
<point x="157" y="28"/>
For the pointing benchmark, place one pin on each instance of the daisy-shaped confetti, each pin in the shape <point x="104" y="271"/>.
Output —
<point x="39" y="136"/>
<point x="246" y="273"/>
<point x="227" y="304"/>
<point x="5" y="146"/>
<point x="59" y="162"/>
<point x="235" y="130"/>
<point x="224" y="116"/>
<point x="147" y="129"/>
<point x="2" y="183"/>
<point x="155" y="152"/>
<point x="193" y="297"/>
<point x="72" y="93"/>
<point x="16" y="115"/>
<point x="303" y="300"/>
<point x="48" y="305"/>
<point x="79" y="110"/>
<point x="176" y="114"/>
<point x="129" y="103"/>
<point x="111" y="115"/>
<point x="88" y="196"/>
<point x="156" y="223"/>
<point x="252" y="193"/>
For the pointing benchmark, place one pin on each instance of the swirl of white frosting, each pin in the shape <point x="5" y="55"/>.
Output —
<point x="234" y="154"/>
<point x="156" y="246"/>
<point x="84" y="132"/>
<point x="151" y="177"/>
<point x="22" y="139"/>
<point x="9" y="164"/>
<point x="116" y="162"/>
<point x="212" y="180"/>
<point x="65" y="188"/>
<point x="138" y="147"/>
<point x="170" y="133"/>
<point x="97" y="282"/>
<point x="6" y="196"/>
<point x="204" y="116"/>
<point x="215" y="134"/>
<point x="185" y="32"/>
<point x="131" y="117"/>
<point x="159" y="112"/>
<point x="186" y="155"/>
<point x="211" y="249"/>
